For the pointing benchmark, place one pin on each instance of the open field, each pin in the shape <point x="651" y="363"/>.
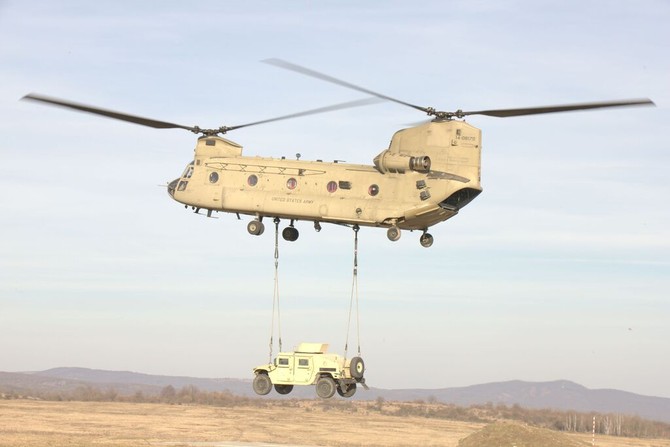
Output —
<point x="56" y="424"/>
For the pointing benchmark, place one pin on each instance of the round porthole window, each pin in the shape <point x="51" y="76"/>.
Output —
<point x="214" y="177"/>
<point x="331" y="186"/>
<point x="252" y="180"/>
<point x="373" y="190"/>
<point x="291" y="183"/>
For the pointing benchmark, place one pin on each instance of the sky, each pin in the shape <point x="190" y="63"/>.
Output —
<point x="560" y="269"/>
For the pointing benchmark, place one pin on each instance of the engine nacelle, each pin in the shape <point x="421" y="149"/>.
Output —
<point x="399" y="163"/>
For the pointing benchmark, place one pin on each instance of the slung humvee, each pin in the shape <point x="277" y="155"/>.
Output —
<point x="311" y="364"/>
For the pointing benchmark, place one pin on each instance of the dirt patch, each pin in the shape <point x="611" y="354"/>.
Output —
<point x="297" y="423"/>
<point x="510" y="434"/>
<point x="60" y="424"/>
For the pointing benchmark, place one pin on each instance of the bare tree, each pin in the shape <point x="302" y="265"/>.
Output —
<point x="168" y="394"/>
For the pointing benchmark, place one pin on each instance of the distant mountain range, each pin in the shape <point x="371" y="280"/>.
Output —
<point x="559" y="395"/>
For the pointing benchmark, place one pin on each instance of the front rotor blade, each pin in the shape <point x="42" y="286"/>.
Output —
<point x="108" y="113"/>
<point x="344" y="105"/>
<point x="324" y="77"/>
<point x="504" y="113"/>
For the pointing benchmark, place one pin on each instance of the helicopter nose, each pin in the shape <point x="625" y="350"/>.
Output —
<point x="172" y="186"/>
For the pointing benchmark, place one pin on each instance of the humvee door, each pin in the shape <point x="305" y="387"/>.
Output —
<point x="294" y="369"/>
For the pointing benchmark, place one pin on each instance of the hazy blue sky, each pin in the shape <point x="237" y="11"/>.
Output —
<point x="559" y="270"/>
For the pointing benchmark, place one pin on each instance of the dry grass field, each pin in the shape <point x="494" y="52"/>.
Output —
<point x="56" y="424"/>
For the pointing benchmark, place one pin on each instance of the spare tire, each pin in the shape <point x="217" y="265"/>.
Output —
<point x="357" y="368"/>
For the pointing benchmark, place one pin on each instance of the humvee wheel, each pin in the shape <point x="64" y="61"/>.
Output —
<point x="262" y="384"/>
<point x="325" y="387"/>
<point x="283" y="389"/>
<point x="350" y="390"/>
<point x="357" y="368"/>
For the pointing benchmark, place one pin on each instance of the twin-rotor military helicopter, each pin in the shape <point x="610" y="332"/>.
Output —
<point x="426" y="175"/>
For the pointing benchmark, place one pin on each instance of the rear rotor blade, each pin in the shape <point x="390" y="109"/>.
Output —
<point x="324" y="77"/>
<point x="108" y="113"/>
<point x="504" y="113"/>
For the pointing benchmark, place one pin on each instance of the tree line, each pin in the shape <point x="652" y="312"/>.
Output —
<point x="611" y="424"/>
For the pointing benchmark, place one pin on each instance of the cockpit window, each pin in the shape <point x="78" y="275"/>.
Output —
<point x="189" y="171"/>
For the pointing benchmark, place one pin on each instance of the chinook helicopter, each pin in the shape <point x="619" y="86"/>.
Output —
<point x="427" y="175"/>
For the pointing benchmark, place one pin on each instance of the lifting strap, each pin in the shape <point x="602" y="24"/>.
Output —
<point x="275" y="296"/>
<point x="354" y="293"/>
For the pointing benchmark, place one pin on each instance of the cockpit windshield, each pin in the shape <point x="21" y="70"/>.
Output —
<point x="188" y="172"/>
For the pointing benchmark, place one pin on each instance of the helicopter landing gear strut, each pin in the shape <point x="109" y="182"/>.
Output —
<point x="290" y="233"/>
<point x="256" y="227"/>
<point x="426" y="239"/>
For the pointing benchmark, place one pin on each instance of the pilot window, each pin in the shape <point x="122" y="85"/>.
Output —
<point x="189" y="171"/>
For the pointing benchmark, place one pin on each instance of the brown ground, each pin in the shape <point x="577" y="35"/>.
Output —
<point x="518" y="435"/>
<point x="59" y="424"/>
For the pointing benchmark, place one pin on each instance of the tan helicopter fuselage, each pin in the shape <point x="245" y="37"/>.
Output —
<point x="427" y="174"/>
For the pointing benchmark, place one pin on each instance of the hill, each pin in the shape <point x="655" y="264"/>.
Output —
<point x="560" y="395"/>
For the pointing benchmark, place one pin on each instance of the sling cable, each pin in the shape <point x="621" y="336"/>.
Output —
<point x="353" y="302"/>
<point x="275" y="295"/>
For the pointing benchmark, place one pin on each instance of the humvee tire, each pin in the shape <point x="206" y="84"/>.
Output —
<point x="283" y="389"/>
<point x="351" y="390"/>
<point x="262" y="384"/>
<point x="325" y="387"/>
<point x="357" y="368"/>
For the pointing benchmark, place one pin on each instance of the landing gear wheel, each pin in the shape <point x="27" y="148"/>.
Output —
<point x="325" y="387"/>
<point x="426" y="240"/>
<point x="349" y="391"/>
<point x="393" y="233"/>
<point x="357" y="368"/>
<point x="290" y="234"/>
<point x="255" y="227"/>
<point x="262" y="384"/>
<point x="283" y="389"/>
